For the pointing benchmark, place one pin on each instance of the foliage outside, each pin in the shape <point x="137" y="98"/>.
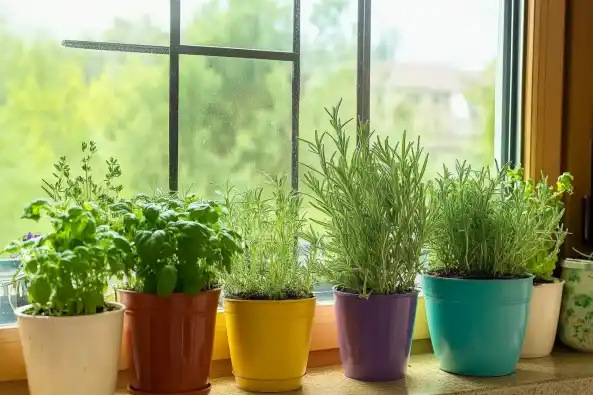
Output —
<point x="488" y="225"/>
<point x="179" y="243"/>
<point x="549" y="205"/>
<point x="67" y="270"/>
<point x="270" y="267"/>
<point x="373" y="199"/>
<point x="234" y="114"/>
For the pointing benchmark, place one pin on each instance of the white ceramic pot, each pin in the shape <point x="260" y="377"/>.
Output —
<point x="542" y="323"/>
<point x="71" y="355"/>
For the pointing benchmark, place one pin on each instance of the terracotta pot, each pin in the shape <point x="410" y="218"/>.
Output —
<point x="171" y="341"/>
<point x="73" y="354"/>
<point x="269" y="342"/>
<point x="544" y="310"/>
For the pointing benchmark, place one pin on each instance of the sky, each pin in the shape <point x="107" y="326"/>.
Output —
<point x="461" y="33"/>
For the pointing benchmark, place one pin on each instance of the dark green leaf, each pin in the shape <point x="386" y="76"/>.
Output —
<point x="166" y="280"/>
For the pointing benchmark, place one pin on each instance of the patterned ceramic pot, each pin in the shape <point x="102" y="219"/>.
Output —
<point x="576" y="315"/>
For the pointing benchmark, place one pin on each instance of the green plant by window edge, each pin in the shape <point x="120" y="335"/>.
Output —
<point x="548" y="202"/>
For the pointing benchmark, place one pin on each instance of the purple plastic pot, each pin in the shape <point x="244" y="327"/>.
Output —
<point x="375" y="334"/>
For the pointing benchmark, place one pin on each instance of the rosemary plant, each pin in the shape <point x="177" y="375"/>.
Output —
<point x="272" y="266"/>
<point x="372" y="198"/>
<point x="485" y="227"/>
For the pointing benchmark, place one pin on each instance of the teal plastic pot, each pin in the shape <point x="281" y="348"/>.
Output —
<point x="477" y="326"/>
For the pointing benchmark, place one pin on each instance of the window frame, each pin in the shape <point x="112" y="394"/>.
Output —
<point x="324" y="336"/>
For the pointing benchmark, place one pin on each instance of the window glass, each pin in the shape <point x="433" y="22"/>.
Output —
<point x="234" y="122"/>
<point x="433" y="74"/>
<point x="129" y="21"/>
<point x="52" y="98"/>
<point x="252" y="24"/>
<point x="328" y="74"/>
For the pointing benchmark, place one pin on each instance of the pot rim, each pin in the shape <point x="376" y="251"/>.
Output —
<point x="577" y="263"/>
<point x="529" y="277"/>
<point x="20" y="313"/>
<point x="270" y="301"/>
<point x="357" y="295"/>
<point x="557" y="282"/>
<point x="218" y="289"/>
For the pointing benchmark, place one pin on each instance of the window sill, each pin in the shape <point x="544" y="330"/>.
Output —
<point x="323" y="337"/>
<point x="565" y="372"/>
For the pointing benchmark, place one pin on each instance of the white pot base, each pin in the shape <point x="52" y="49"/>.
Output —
<point x="544" y="311"/>
<point x="71" y="355"/>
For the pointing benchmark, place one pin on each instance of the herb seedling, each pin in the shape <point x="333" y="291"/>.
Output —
<point x="83" y="188"/>
<point x="272" y="266"/>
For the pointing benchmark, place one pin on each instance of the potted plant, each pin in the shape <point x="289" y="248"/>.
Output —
<point x="478" y="287"/>
<point x="546" y="298"/>
<point x="372" y="199"/>
<point x="171" y="292"/>
<point x="70" y="335"/>
<point x="268" y="299"/>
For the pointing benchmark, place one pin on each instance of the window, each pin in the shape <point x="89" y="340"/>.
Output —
<point x="187" y="93"/>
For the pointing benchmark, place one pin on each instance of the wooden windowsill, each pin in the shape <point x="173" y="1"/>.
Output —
<point x="565" y="372"/>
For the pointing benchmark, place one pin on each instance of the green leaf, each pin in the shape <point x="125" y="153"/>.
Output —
<point x="130" y="220"/>
<point x="40" y="290"/>
<point x="33" y="209"/>
<point x="32" y="266"/>
<point x="166" y="280"/>
<point x="121" y="208"/>
<point x="157" y="239"/>
<point x="150" y="212"/>
<point x="202" y="212"/>
<point x="13" y="247"/>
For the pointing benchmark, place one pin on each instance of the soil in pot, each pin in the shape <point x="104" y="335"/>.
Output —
<point x="375" y="334"/>
<point x="171" y="341"/>
<point x="269" y="342"/>
<point x="544" y="310"/>
<point x="477" y="326"/>
<point x="72" y="354"/>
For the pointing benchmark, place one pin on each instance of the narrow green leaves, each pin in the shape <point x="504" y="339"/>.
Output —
<point x="371" y="198"/>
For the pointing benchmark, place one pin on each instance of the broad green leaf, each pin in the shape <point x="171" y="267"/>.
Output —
<point x="40" y="290"/>
<point x="166" y="280"/>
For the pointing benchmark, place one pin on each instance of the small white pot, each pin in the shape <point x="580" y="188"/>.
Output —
<point x="71" y="355"/>
<point x="544" y="311"/>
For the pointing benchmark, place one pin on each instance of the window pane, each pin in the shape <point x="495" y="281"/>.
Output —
<point x="129" y="21"/>
<point x="252" y="24"/>
<point x="235" y="122"/>
<point x="328" y="74"/>
<point x="52" y="98"/>
<point x="433" y="74"/>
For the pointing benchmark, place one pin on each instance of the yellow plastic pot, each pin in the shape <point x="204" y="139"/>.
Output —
<point x="269" y="342"/>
